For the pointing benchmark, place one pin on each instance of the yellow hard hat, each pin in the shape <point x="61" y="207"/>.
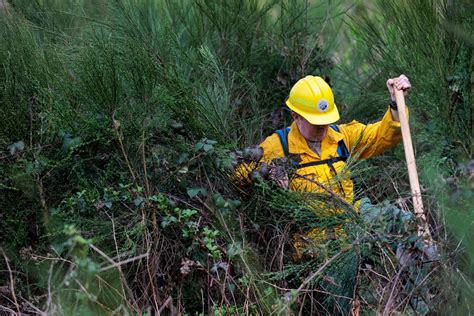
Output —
<point x="312" y="98"/>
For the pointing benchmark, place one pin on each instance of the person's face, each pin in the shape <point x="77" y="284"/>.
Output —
<point x="309" y="131"/>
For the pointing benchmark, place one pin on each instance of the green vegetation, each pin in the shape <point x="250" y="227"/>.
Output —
<point x="120" y="127"/>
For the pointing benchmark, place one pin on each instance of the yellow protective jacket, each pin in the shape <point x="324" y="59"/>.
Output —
<point x="362" y="141"/>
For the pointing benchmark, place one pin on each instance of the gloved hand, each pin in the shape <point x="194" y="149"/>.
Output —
<point x="279" y="176"/>
<point x="400" y="83"/>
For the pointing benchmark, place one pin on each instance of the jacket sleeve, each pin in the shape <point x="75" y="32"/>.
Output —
<point x="365" y="141"/>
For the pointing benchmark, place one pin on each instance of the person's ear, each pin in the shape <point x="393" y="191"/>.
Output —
<point x="294" y="115"/>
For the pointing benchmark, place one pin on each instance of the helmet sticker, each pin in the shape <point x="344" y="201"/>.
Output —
<point x="323" y="105"/>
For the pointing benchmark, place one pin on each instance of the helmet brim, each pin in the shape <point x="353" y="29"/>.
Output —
<point x="317" y="119"/>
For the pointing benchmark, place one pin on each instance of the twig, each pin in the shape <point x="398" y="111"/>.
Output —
<point x="39" y="185"/>
<point x="377" y="274"/>
<point x="123" y="284"/>
<point x="116" y="126"/>
<point x="387" y="310"/>
<point x="40" y="312"/>
<point x="12" y="284"/>
<point x="100" y="252"/>
<point x="328" y="262"/>
<point x="112" y="288"/>
<point x="149" y="265"/>
<point x="328" y="190"/>
<point x="92" y="297"/>
<point x="165" y="304"/>
<point x="118" y="264"/>
<point x="145" y="173"/>
<point x="50" y="295"/>
<point x="417" y="287"/>
<point x="11" y="311"/>
<point x="304" y="291"/>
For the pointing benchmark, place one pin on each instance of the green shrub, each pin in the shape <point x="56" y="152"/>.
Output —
<point x="118" y="125"/>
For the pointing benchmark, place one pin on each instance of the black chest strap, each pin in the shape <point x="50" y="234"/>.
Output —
<point x="342" y="151"/>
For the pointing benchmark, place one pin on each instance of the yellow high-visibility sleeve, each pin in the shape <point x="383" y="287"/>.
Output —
<point x="366" y="141"/>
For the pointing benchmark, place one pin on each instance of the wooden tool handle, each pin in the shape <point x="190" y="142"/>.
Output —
<point x="423" y="229"/>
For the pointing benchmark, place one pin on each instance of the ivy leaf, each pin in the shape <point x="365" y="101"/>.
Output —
<point x="207" y="147"/>
<point x="231" y="287"/>
<point x="192" y="192"/>
<point x="70" y="142"/>
<point x="138" y="201"/>
<point x="413" y="238"/>
<point x="187" y="213"/>
<point x="183" y="158"/>
<point x="211" y="142"/>
<point x="219" y="201"/>
<point x="16" y="147"/>
<point x="234" y="249"/>
<point x="420" y="245"/>
<point x="220" y="265"/>
<point x="168" y="220"/>
<point x="234" y="204"/>
<point x="198" y="146"/>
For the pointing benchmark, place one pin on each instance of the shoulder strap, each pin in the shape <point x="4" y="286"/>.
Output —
<point x="334" y="127"/>
<point x="341" y="146"/>
<point x="283" y="135"/>
<point x="342" y="151"/>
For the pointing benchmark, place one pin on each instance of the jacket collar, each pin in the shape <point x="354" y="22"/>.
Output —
<point x="297" y="143"/>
